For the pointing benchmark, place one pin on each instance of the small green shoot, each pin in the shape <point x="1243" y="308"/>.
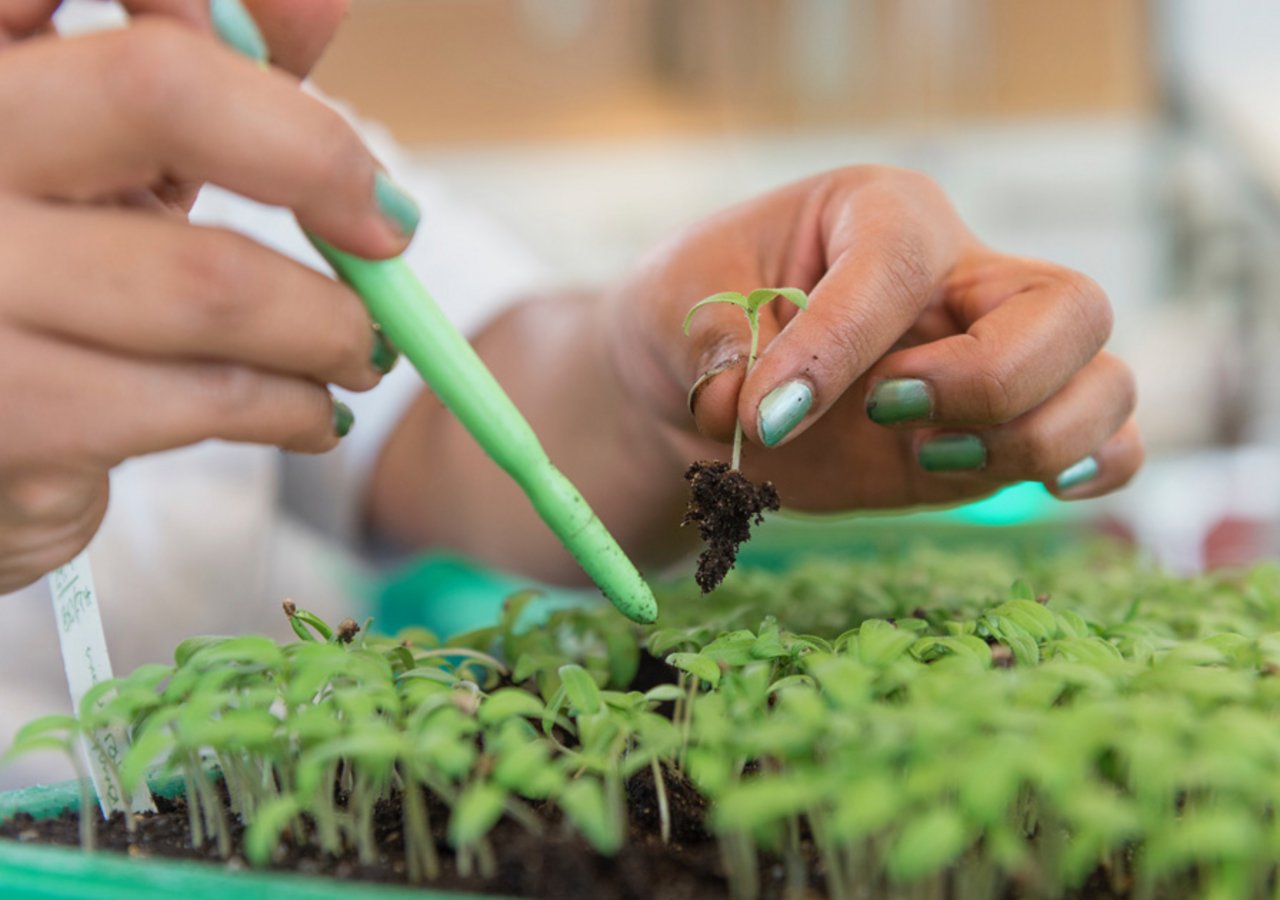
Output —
<point x="750" y="304"/>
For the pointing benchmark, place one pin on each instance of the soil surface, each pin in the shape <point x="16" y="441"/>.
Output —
<point x="549" y="863"/>
<point x="724" y="504"/>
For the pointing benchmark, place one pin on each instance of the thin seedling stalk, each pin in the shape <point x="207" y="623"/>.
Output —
<point x="421" y="860"/>
<point x="664" y="809"/>
<point x="753" y="318"/>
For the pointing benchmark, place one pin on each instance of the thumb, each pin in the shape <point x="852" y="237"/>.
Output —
<point x="716" y="353"/>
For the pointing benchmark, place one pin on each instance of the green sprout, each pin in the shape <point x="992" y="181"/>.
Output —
<point x="750" y="304"/>
<point x="919" y="723"/>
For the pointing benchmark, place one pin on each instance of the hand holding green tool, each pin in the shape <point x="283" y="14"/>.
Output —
<point x="451" y="368"/>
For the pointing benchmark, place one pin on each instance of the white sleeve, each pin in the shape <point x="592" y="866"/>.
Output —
<point x="472" y="266"/>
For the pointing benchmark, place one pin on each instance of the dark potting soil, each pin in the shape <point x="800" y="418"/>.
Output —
<point x="552" y="863"/>
<point x="724" y="504"/>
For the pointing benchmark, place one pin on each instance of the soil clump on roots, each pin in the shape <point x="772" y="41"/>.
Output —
<point x="724" y="504"/>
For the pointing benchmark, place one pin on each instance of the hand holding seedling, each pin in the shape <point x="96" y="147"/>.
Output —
<point x="123" y="330"/>
<point x="927" y="367"/>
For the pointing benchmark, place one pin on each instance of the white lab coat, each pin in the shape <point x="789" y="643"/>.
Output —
<point x="211" y="539"/>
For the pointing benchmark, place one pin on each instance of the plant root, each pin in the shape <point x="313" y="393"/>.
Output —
<point x="724" y="504"/>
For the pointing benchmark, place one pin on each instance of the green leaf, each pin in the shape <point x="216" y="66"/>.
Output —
<point x="879" y="643"/>
<point x="732" y="648"/>
<point x="927" y="845"/>
<point x="583" y="693"/>
<point x="476" y="812"/>
<point x="506" y="703"/>
<point x="664" y="693"/>
<point x="583" y="801"/>
<point x="731" y="297"/>
<point x="764" y="800"/>
<point x="151" y="745"/>
<point x="48" y="732"/>
<point x="762" y="296"/>
<point x="769" y="644"/>
<point x="191" y="646"/>
<point x="270" y="820"/>
<point x="697" y="665"/>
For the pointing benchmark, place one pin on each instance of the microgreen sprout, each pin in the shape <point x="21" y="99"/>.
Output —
<point x="849" y="726"/>
<point x="750" y="304"/>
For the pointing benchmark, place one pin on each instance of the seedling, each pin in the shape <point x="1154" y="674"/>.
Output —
<point x="846" y="728"/>
<point x="723" y="502"/>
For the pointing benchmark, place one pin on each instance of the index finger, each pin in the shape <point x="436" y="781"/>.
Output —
<point x="890" y="251"/>
<point x="156" y="102"/>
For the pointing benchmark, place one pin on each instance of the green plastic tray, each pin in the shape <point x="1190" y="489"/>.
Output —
<point x="28" y="871"/>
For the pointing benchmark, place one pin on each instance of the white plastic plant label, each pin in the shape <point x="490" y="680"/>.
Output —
<point x="84" y="655"/>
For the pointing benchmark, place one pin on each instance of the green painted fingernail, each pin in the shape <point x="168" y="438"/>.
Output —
<point x="385" y="355"/>
<point x="343" y="418"/>
<point x="782" y="409"/>
<point x="236" y="28"/>
<point x="899" y="400"/>
<point x="952" y="453"/>
<point x="399" y="208"/>
<point x="1078" y="474"/>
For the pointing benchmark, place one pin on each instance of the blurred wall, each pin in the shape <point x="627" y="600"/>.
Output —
<point x="444" y="71"/>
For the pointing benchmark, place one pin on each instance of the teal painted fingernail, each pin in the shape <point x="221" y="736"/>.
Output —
<point x="343" y="418"/>
<point x="236" y="28"/>
<point x="899" y="400"/>
<point x="782" y="409"/>
<point x="1078" y="474"/>
<point x="399" y="208"/>
<point x="385" y="355"/>
<point x="952" y="453"/>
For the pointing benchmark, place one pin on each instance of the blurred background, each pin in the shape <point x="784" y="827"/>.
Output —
<point x="1135" y="140"/>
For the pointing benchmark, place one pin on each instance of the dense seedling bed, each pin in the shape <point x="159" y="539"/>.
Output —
<point x="938" y="725"/>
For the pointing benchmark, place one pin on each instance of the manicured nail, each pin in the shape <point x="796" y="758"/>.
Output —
<point x="899" y="400"/>
<point x="343" y="418"/>
<point x="705" y="378"/>
<point x="1078" y="474"/>
<point x="398" y="207"/>
<point x="385" y="355"/>
<point x="236" y="28"/>
<point x="782" y="409"/>
<point x="952" y="453"/>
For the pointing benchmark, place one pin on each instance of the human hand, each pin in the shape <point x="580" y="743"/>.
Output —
<point x="927" y="369"/>
<point x="123" y="329"/>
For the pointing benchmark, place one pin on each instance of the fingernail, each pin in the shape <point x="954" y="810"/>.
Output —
<point x="705" y="377"/>
<point x="952" y="453"/>
<point x="899" y="400"/>
<point x="782" y="409"/>
<point x="397" y="206"/>
<point x="385" y="355"/>
<point x="343" y="418"/>
<point x="236" y="28"/>
<point x="1078" y="474"/>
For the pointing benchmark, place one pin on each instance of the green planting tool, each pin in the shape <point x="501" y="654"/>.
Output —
<point x="410" y="318"/>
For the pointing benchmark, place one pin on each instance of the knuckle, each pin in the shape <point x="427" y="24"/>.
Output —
<point x="349" y="344"/>
<point x="46" y="497"/>
<point x="907" y="273"/>
<point x="1125" y="390"/>
<point x="150" y="67"/>
<point x="230" y="392"/>
<point x="213" y="278"/>
<point x="1036" y="454"/>
<point x="334" y="153"/>
<point x="1089" y="305"/>
<point x="991" y="390"/>
<point x="310" y="427"/>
